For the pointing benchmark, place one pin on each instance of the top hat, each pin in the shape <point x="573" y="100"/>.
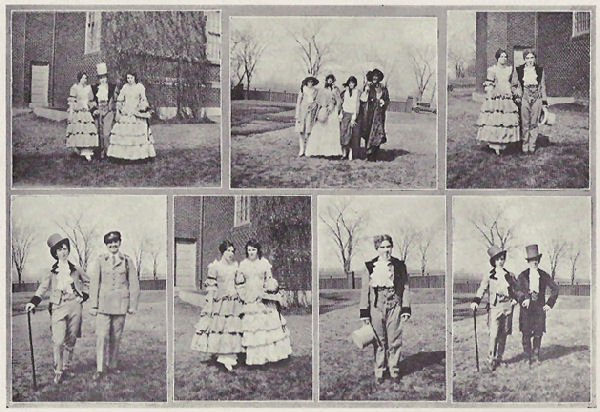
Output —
<point x="55" y="241"/>
<point x="351" y="79"/>
<point x="312" y="79"/>
<point x="532" y="252"/>
<point x="547" y="117"/>
<point x="363" y="337"/>
<point x="113" y="236"/>
<point x="101" y="69"/>
<point x="378" y="73"/>
<point x="493" y="252"/>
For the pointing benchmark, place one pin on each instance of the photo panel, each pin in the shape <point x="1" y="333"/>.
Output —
<point x="116" y="98"/>
<point x="243" y="298"/>
<point x="88" y="302"/>
<point x="519" y="99"/>
<point x="328" y="102"/>
<point x="382" y="312"/>
<point x="522" y="274"/>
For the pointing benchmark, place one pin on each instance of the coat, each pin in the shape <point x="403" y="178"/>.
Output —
<point x="401" y="289"/>
<point x="372" y="117"/>
<point x="114" y="289"/>
<point x="533" y="319"/>
<point x="490" y="282"/>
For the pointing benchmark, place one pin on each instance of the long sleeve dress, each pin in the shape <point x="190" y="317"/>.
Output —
<point x="306" y="110"/>
<point x="219" y="329"/>
<point x="81" y="128"/>
<point x="325" y="137"/>
<point x="265" y="337"/>
<point x="131" y="136"/>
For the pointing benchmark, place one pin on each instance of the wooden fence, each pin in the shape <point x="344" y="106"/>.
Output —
<point x="470" y="287"/>
<point x="415" y="282"/>
<point x="145" y="284"/>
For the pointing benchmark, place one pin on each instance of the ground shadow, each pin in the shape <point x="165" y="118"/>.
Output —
<point x="422" y="360"/>
<point x="390" y="155"/>
<point x="551" y="352"/>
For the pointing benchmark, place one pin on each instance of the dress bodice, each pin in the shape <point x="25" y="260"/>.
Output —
<point x="255" y="273"/>
<point x="501" y="76"/>
<point x="221" y="277"/>
<point x="133" y="98"/>
<point x="81" y="94"/>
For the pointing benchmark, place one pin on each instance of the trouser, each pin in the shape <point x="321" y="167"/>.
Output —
<point x="109" y="329"/>
<point x="104" y="123"/>
<point x="531" y="345"/>
<point x="531" y="109"/>
<point x="385" y="318"/>
<point x="66" y="326"/>
<point x="500" y="327"/>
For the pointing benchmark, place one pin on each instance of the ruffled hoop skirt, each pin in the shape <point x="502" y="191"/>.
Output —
<point x="265" y="336"/>
<point x="81" y="129"/>
<point x="131" y="139"/>
<point x="498" y="121"/>
<point x="219" y="331"/>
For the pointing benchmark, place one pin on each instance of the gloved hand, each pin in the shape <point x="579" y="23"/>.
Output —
<point x="29" y="307"/>
<point x="474" y="306"/>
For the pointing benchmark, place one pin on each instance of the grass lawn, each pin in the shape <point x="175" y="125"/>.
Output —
<point x="562" y="162"/>
<point x="143" y="357"/>
<point x="186" y="155"/>
<point x="290" y="379"/>
<point x="346" y="372"/>
<point x="264" y="148"/>
<point x="563" y="375"/>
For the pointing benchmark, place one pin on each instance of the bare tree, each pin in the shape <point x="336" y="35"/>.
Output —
<point x="423" y="65"/>
<point x="247" y="53"/>
<point x="407" y="236"/>
<point x="22" y="236"/>
<point x="236" y="70"/>
<point x="313" y="49"/>
<point x="423" y="245"/>
<point x="154" y="250"/>
<point x="81" y="233"/>
<point x="140" y="248"/>
<point x="494" y="228"/>
<point x="555" y="252"/>
<point x="574" y="256"/>
<point x="345" y="226"/>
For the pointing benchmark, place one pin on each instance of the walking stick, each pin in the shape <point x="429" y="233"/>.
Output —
<point x="31" y="350"/>
<point x="476" y="348"/>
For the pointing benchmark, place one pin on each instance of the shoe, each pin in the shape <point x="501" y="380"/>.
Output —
<point x="98" y="376"/>
<point x="379" y="380"/>
<point x="57" y="377"/>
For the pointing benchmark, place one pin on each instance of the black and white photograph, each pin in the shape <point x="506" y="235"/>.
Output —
<point x="88" y="301"/>
<point x="522" y="275"/>
<point x="333" y="102"/>
<point x="518" y="99"/>
<point x="243" y="298"/>
<point x="382" y="312"/>
<point x="115" y="98"/>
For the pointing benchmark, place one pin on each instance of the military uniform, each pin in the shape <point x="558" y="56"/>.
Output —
<point x="114" y="290"/>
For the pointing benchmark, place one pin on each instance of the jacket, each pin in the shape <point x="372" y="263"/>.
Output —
<point x="114" y="289"/>
<point x="545" y="282"/>
<point x="491" y="282"/>
<point x="46" y="288"/>
<point x="401" y="288"/>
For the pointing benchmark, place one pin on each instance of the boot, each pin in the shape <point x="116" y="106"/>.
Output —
<point x="537" y="343"/>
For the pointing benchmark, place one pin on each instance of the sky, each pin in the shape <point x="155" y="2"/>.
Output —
<point x="131" y="215"/>
<point x="387" y="214"/>
<point x="359" y="45"/>
<point x="537" y="220"/>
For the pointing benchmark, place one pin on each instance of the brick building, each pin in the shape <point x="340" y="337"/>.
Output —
<point x="50" y="48"/>
<point x="560" y="39"/>
<point x="203" y="222"/>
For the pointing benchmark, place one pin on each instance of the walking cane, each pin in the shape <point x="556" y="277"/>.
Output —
<point x="31" y="350"/>
<point x="476" y="348"/>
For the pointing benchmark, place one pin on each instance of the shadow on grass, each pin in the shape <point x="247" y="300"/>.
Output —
<point x="422" y="360"/>
<point x="551" y="352"/>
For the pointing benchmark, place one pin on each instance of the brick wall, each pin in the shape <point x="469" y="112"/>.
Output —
<point x="18" y="64"/>
<point x="38" y="46"/>
<point x="481" y="50"/>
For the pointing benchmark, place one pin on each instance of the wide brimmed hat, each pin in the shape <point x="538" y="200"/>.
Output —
<point x="547" y="117"/>
<point x="378" y="73"/>
<point x="532" y="252"/>
<point x="369" y="76"/>
<point x="55" y="241"/>
<point x="494" y="252"/>
<point x="311" y="78"/>
<point x="351" y="79"/>
<point x="101" y="69"/>
<point x="113" y="236"/>
<point x="363" y="337"/>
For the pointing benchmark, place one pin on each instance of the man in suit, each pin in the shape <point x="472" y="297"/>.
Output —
<point x="114" y="293"/>
<point x="531" y="285"/>
<point x="501" y="285"/>
<point x="385" y="305"/>
<point x="105" y="97"/>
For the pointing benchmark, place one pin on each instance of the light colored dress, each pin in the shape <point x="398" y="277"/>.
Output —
<point x="306" y="110"/>
<point x="325" y="137"/>
<point x="498" y="122"/>
<point x="81" y="129"/>
<point x="219" y="329"/>
<point x="131" y="136"/>
<point x="265" y="337"/>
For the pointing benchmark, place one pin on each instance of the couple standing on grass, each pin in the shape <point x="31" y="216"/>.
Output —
<point x="105" y="122"/>
<point x="515" y="104"/>
<point x="505" y="291"/>
<point x="242" y="314"/>
<point x="332" y="123"/>
<point x="113" y="290"/>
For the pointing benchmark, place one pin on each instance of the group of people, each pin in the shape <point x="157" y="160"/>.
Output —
<point x="515" y="101"/>
<point x="505" y="291"/>
<point x="331" y="122"/>
<point x="112" y="289"/>
<point x="242" y="313"/>
<point x="104" y="121"/>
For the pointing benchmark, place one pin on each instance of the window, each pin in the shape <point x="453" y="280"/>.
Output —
<point x="93" y="27"/>
<point x="213" y="36"/>
<point x="242" y="211"/>
<point x="581" y="23"/>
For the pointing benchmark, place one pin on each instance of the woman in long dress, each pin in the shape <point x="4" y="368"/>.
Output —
<point x="325" y="137"/>
<point x="498" y="120"/>
<point x="219" y="330"/>
<point x="131" y="136"/>
<point x="81" y="128"/>
<point x="265" y="337"/>
<point x="306" y="106"/>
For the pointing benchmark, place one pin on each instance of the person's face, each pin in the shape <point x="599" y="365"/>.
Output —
<point x="533" y="263"/>
<point x="352" y="85"/>
<point x="229" y="253"/>
<point x="113" y="247"/>
<point x="62" y="253"/>
<point x="376" y="78"/>
<point x="252" y="253"/>
<point x="500" y="261"/>
<point x="385" y="250"/>
<point x="103" y="80"/>
<point x="329" y="80"/>
<point x="130" y="79"/>
<point x="530" y="59"/>
<point x="310" y="84"/>
<point x="503" y="58"/>
<point x="83" y="79"/>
